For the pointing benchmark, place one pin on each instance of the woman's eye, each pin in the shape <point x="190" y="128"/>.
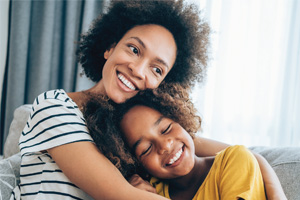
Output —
<point x="157" y="70"/>
<point x="167" y="129"/>
<point x="146" y="151"/>
<point x="134" y="50"/>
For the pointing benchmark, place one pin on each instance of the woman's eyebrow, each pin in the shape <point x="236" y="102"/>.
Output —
<point x="144" y="46"/>
<point x="139" y="41"/>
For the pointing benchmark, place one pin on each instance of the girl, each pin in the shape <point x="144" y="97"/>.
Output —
<point x="150" y="125"/>
<point x="134" y="46"/>
<point x="166" y="151"/>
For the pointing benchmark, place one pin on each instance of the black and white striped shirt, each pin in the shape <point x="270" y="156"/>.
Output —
<point x="54" y="120"/>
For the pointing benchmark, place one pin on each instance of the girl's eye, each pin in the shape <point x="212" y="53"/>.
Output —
<point x="157" y="70"/>
<point x="167" y="129"/>
<point x="146" y="151"/>
<point x="134" y="50"/>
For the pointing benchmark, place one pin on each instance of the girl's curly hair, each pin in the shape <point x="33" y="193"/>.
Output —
<point x="103" y="119"/>
<point x="190" y="32"/>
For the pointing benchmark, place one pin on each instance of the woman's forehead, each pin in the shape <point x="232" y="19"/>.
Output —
<point x="156" y="39"/>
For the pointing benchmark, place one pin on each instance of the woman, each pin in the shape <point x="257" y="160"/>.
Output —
<point x="134" y="46"/>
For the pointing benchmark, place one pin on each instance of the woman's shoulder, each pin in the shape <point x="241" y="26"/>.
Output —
<point x="52" y="100"/>
<point x="53" y="116"/>
<point x="59" y="96"/>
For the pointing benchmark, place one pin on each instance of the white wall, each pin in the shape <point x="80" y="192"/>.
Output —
<point x="4" y="8"/>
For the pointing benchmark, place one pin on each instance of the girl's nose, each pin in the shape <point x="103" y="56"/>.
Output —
<point x="165" y="146"/>
<point x="138" y="69"/>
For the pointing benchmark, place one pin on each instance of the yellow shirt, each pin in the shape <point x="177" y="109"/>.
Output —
<point x="234" y="174"/>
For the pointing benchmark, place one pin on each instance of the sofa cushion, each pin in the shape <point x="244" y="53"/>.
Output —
<point x="21" y="115"/>
<point x="286" y="163"/>
<point x="284" y="160"/>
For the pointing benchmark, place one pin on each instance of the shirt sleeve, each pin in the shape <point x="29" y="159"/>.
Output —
<point x="53" y="121"/>
<point x="240" y="175"/>
<point x="161" y="188"/>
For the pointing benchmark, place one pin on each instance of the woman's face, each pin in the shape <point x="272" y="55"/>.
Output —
<point x="140" y="60"/>
<point x="163" y="147"/>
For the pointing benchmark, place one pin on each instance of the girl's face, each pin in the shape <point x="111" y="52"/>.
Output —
<point x="140" y="60"/>
<point x="163" y="147"/>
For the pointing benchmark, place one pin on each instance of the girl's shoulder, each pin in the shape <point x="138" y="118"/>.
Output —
<point x="235" y="150"/>
<point x="234" y="156"/>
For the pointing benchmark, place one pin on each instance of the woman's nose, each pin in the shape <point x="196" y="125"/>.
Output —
<point x="165" y="145"/>
<point x="138" y="69"/>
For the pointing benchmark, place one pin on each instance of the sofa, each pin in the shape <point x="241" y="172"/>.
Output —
<point x="284" y="160"/>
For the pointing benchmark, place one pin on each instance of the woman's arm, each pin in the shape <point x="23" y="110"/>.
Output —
<point x="208" y="147"/>
<point x="272" y="184"/>
<point x="91" y="171"/>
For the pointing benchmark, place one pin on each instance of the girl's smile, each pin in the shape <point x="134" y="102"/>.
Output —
<point x="176" y="159"/>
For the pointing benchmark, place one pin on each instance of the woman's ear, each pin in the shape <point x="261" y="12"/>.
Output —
<point x="108" y="52"/>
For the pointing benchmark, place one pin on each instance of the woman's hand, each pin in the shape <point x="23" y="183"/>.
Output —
<point x="140" y="183"/>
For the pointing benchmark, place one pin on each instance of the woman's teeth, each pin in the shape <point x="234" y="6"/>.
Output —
<point x="176" y="157"/>
<point x="126" y="82"/>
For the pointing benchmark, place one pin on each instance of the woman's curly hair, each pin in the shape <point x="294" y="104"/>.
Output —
<point x="103" y="119"/>
<point x="190" y="32"/>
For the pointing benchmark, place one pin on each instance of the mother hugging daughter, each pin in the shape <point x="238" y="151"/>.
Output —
<point x="135" y="46"/>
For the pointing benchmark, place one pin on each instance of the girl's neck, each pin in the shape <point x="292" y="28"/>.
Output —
<point x="185" y="187"/>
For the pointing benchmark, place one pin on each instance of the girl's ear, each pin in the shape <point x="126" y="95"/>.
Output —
<point x="108" y="52"/>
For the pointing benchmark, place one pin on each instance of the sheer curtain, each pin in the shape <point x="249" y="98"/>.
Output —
<point x="252" y="92"/>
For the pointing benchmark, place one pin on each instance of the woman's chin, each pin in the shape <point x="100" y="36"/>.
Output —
<point x="121" y="98"/>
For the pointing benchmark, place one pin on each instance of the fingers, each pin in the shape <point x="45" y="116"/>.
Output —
<point x="140" y="183"/>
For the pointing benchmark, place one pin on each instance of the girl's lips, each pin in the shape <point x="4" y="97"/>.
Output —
<point x="178" y="161"/>
<point x="125" y="83"/>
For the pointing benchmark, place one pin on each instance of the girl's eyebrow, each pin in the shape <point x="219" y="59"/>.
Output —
<point x="156" y="123"/>
<point x="144" y="46"/>
<point x="135" y="145"/>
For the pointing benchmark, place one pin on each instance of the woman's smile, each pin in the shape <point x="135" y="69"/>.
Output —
<point x="139" y="61"/>
<point x="123" y="81"/>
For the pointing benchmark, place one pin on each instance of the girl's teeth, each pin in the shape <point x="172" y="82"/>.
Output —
<point x="126" y="82"/>
<point x="176" y="157"/>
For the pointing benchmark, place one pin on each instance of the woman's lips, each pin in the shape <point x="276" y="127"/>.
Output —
<point x="129" y="86"/>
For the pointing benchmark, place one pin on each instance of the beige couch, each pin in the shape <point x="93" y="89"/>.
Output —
<point x="284" y="160"/>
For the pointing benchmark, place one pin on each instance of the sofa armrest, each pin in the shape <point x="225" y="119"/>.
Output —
<point x="21" y="115"/>
<point x="286" y="163"/>
<point x="9" y="175"/>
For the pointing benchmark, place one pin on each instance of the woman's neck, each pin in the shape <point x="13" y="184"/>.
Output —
<point x="80" y="98"/>
<point x="185" y="187"/>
